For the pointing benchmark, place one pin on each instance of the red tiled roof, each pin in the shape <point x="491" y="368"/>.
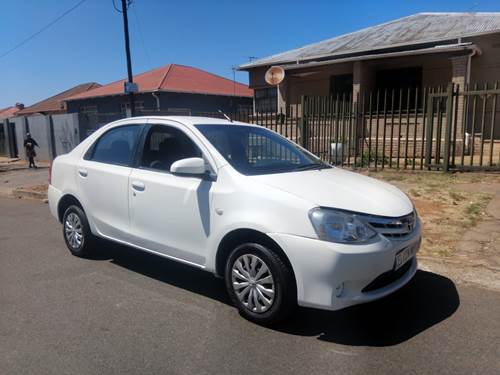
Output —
<point x="175" y="78"/>
<point x="56" y="103"/>
<point x="8" y="112"/>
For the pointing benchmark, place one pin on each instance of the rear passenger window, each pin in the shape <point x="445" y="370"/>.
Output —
<point x="164" y="145"/>
<point x="116" y="146"/>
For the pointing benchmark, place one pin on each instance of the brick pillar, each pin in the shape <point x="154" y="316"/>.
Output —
<point x="459" y="67"/>
<point x="357" y="78"/>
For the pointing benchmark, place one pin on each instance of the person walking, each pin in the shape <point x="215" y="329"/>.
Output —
<point x="29" y="146"/>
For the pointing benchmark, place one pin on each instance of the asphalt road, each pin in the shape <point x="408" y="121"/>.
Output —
<point x="127" y="312"/>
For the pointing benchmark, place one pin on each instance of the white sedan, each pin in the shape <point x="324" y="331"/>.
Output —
<point x="278" y="224"/>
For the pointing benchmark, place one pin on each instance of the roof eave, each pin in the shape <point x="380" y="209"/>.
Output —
<point x="443" y="49"/>
<point x="160" y="90"/>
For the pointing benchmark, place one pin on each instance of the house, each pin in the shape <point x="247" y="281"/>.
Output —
<point x="56" y="104"/>
<point x="421" y="50"/>
<point x="170" y="89"/>
<point x="9" y="112"/>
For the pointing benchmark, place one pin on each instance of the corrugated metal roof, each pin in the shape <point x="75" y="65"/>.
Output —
<point x="416" y="29"/>
<point x="175" y="78"/>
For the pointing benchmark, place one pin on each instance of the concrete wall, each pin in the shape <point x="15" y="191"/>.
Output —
<point x="4" y="141"/>
<point x="19" y="126"/>
<point x="39" y="128"/>
<point x="56" y="134"/>
<point x="66" y="133"/>
<point x="486" y="67"/>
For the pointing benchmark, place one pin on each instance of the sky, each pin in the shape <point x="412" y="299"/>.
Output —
<point x="87" y="44"/>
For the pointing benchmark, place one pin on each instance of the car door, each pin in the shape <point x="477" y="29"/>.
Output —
<point x="102" y="179"/>
<point x="169" y="213"/>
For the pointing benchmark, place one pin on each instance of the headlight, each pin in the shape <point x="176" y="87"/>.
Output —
<point x="339" y="226"/>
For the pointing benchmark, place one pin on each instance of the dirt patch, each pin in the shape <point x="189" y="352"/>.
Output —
<point x="449" y="205"/>
<point x="40" y="188"/>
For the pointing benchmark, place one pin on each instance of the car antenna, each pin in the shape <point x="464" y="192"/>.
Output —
<point x="226" y="116"/>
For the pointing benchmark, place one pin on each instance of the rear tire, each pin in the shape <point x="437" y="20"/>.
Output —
<point x="76" y="232"/>
<point x="260" y="284"/>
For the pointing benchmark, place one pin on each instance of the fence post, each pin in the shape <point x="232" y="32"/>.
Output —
<point x="447" y="131"/>
<point x="429" y="130"/>
<point x="303" y="121"/>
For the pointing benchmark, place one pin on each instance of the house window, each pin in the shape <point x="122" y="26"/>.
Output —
<point x="402" y="81"/>
<point x="341" y="86"/>
<point x="139" y="106"/>
<point x="88" y="109"/>
<point x="266" y="100"/>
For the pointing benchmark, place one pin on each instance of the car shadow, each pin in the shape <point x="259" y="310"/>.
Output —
<point x="425" y="301"/>
<point x="162" y="269"/>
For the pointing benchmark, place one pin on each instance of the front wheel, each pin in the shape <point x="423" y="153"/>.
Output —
<point x="76" y="232"/>
<point x="260" y="284"/>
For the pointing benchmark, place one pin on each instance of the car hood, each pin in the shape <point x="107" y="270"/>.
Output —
<point x="338" y="188"/>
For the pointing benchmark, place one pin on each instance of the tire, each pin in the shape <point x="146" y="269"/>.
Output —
<point x="76" y="232"/>
<point x="278" y="290"/>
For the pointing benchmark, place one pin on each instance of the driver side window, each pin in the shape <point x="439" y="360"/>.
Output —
<point x="164" y="145"/>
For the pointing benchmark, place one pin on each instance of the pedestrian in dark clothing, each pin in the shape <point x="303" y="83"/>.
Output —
<point x="29" y="146"/>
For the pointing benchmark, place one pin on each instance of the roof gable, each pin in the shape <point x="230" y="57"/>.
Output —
<point x="416" y="29"/>
<point x="175" y="78"/>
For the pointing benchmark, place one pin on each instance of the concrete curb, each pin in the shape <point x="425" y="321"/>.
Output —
<point x="22" y="193"/>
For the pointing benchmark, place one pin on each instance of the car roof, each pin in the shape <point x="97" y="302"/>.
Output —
<point x="194" y="120"/>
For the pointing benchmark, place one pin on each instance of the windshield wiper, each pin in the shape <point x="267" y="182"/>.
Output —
<point x="312" y="166"/>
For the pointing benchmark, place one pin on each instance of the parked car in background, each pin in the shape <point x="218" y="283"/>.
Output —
<point x="278" y="224"/>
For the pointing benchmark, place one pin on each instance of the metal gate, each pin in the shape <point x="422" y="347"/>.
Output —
<point x="464" y="129"/>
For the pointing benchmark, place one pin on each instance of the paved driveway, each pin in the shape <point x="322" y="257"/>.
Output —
<point x="127" y="312"/>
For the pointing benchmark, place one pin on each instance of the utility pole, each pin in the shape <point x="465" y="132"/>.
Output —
<point x="129" y="63"/>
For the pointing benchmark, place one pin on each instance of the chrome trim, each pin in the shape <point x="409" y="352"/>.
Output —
<point x="394" y="228"/>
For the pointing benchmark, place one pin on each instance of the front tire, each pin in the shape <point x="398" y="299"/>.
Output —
<point x="260" y="284"/>
<point x="76" y="232"/>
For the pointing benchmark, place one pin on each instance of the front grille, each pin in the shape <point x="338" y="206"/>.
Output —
<point x="393" y="227"/>
<point x="388" y="277"/>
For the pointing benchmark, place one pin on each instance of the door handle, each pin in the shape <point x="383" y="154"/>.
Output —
<point x="139" y="186"/>
<point x="83" y="172"/>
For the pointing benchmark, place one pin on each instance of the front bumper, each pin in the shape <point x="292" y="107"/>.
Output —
<point x="333" y="276"/>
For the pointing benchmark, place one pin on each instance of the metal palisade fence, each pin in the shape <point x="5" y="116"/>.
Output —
<point x="442" y="128"/>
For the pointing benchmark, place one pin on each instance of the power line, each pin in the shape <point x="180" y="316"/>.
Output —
<point x="42" y="29"/>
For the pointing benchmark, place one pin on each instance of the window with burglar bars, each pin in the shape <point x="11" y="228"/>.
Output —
<point x="266" y="99"/>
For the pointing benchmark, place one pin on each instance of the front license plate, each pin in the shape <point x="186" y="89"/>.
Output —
<point x="405" y="255"/>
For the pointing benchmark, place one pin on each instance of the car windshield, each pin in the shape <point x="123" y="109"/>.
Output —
<point x="253" y="150"/>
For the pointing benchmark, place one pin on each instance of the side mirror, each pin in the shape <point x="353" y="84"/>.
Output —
<point x="189" y="166"/>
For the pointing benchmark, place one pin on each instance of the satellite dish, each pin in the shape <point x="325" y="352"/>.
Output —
<point x="275" y="75"/>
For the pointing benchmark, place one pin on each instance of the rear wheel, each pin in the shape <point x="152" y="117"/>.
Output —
<point x="260" y="284"/>
<point x="76" y="232"/>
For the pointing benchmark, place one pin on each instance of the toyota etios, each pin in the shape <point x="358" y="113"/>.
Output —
<point x="278" y="224"/>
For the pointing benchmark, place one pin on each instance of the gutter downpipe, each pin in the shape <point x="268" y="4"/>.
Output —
<point x="155" y="95"/>
<point x="475" y="50"/>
